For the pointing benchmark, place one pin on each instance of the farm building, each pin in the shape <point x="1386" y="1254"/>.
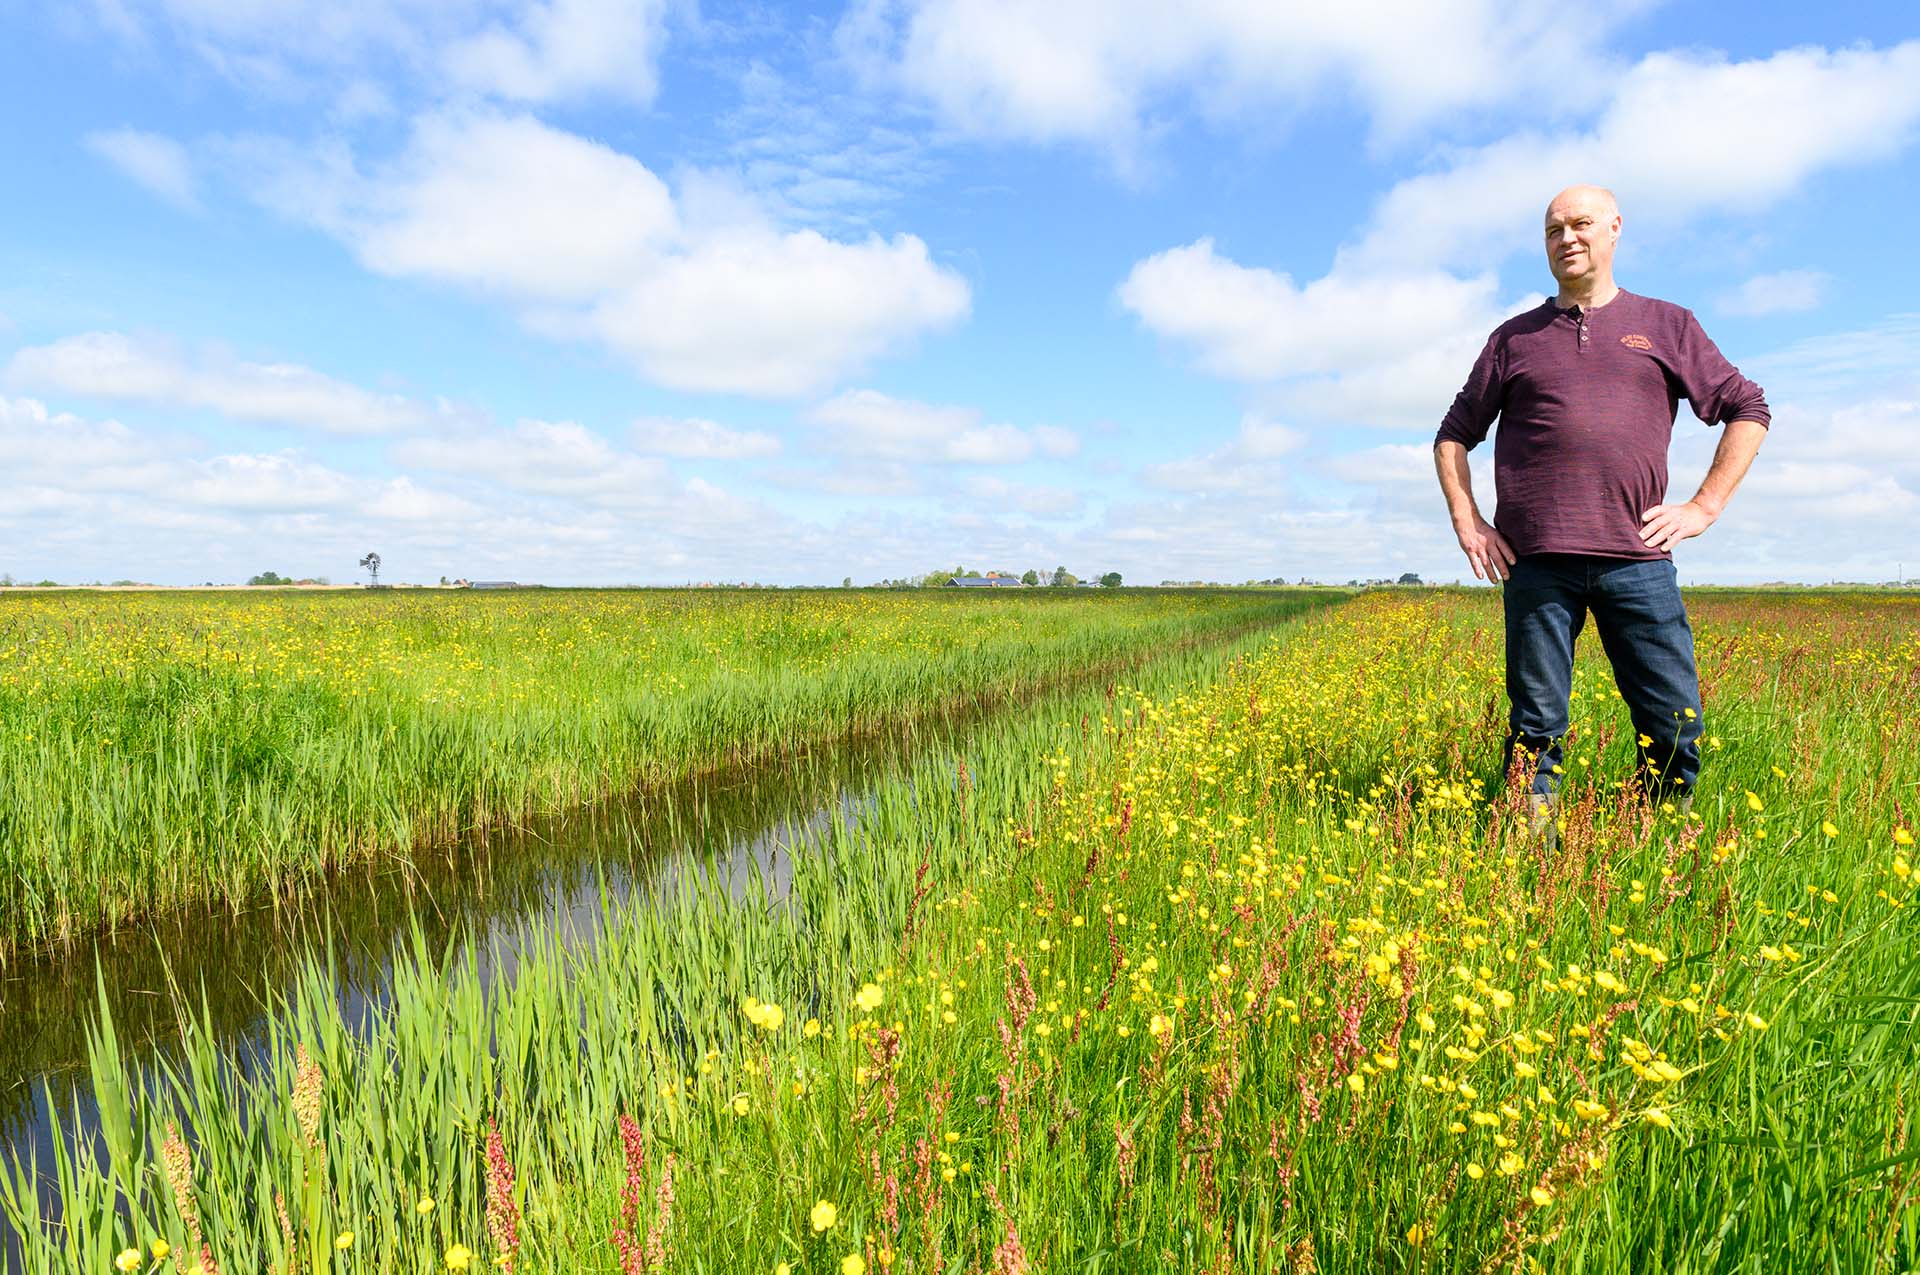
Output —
<point x="991" y="581"/>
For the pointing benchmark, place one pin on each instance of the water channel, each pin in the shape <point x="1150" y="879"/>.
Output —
<point x="571" y="872"/>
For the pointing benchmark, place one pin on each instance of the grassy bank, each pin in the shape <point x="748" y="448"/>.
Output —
<point x="1250" y="966"/>
<point x="158" y="749"/>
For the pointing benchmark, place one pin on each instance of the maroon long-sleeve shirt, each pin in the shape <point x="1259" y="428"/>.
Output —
<point x="1586" y="402"/>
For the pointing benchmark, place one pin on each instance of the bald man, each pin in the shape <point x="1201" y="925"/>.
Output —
<point x="1585" y="388"/>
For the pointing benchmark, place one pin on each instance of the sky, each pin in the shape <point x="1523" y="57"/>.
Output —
<point x="657" y="292"/>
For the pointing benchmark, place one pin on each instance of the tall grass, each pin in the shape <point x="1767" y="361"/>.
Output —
<point x="1250" y="966"/>
<point x="164" y="749"/>
<point x="577" y="1036"/>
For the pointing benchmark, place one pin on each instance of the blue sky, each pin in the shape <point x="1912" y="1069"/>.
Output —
<point x="589" y="292"/>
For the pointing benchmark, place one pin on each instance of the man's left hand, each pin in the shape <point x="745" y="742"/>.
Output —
<point x="1665" y="526"/>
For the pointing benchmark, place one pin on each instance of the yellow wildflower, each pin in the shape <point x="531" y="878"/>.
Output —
<point x="824" y="1215"/>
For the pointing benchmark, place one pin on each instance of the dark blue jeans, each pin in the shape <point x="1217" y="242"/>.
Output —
<point x="1643" y="627"/>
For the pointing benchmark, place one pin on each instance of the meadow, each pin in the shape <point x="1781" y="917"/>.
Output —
<point x="167" y="749"/>
<point x="1245" y="963"/>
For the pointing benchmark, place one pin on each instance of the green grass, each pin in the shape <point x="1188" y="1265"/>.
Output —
<point x="1251" y="966"/>
<point x="158" y="750"/>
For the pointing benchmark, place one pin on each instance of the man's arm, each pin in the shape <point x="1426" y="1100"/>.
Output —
<point x="1667" y="525"/>
<point x="1486" y="549"/>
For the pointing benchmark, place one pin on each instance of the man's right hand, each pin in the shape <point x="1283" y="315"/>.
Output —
<point x="1486" y="549"/>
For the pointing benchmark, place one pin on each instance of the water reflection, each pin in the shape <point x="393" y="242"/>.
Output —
<point x="565" y="871"/>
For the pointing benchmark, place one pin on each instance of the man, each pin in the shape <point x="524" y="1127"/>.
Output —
<point x="1585" y="387"/>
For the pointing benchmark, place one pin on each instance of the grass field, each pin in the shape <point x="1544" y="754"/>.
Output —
<point x="1248" y="966"/>
<point x="158" y="749"/>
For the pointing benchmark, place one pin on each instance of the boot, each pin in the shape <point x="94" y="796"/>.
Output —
<point x="1543" y="819"/>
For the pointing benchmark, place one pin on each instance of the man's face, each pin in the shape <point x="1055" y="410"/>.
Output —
<point x="1582" y="229"/>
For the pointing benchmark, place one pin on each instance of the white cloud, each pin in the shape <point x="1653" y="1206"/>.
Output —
<point x="116" y="367"/>
<point x="1106" y="71"/>
<point x="856" y="476"/>
<point x="701" y="440"/>
<point x="823" y="155"/>
<point x="1881" y="361"/>
<point x="779" y="315"/>
<point x="1783" y="292"/>
<point x="1249" y="462"/>
<point x="1387" y="336"/>
<point x="563" y="49"/>
<point x="1683" y="135"/>
<point x="1254" y="324"/>
<point x="877" y="426"/>
<point x="158" y="163"/>
<point x="1387" y="349"/>
<point x="701" y="294"/>
<point x="59" y="445"/>
<point x="511" y="205"/>
<point x="1392" y="464"/>
<point x="1835" y="492"/>
<point x="544" y="501"/>
<point x="1036" y="500"/>
<point x="518" y="50"/>
<point x="403" y="500"/>
<point x="265" y="484"/>
<point x="548" y="458"/>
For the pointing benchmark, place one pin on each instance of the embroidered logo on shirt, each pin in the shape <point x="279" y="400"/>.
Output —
<point x="1633" y="340"/>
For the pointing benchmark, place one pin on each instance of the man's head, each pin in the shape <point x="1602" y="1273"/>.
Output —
<point x="1583" y="225"/>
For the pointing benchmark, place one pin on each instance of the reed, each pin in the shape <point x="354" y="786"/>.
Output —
<point x="1249" y="964"/>
<point x="164" y="749"/>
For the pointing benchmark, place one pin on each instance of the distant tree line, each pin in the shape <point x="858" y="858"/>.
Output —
<point x="271" y="578"/>
<point x="1058" y="578"/>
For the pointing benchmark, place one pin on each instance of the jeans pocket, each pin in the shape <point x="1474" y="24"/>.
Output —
<point x="1650" y="590"/>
